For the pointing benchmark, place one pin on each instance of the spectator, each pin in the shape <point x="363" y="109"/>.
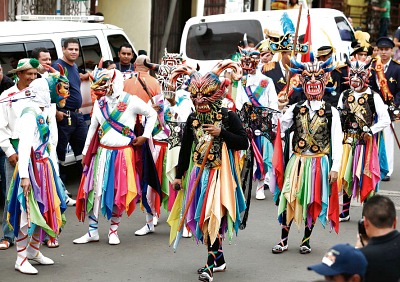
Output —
<point x="109" y="64"/>
<point x="26" y="72"/>
<point x="375" y="52"/>
<point x="133" y="86"/>
<point x="396" y="40"/>
<point x="384" y="21"/>
<point x="72" y="128"/>
<point x="142" y="52"/>
<point x="293" y="4"/>
<point x="5" y="83"/>
<point x="383" y="248"/>
<point x="342" y="262"/>
<point x="43" y="56"/>
<point x="125" y="65"/>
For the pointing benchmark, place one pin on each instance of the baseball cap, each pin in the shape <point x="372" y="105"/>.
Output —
<point x="341" y="259"/>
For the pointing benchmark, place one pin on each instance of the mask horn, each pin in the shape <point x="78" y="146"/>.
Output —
<point x="225" y="64"/>
<point x="151" y="66"/>
<point x="368" y="64"/>
<point x="176" y="73"/>
<point x="50" y="68"/>
<point x="61" y="70"/>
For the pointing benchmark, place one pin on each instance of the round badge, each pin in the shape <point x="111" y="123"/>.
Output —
<point x="365" y="128"/>
<point x="257" y="132"/>
<point x="354" y="125"/>
<point x="177" y="129"/>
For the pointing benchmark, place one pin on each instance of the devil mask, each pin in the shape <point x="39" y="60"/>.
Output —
<point x="358" y="75"/>
<point x="207" y="91"/>
<point x="314" y="76"/>
<point x="249" y="59"/>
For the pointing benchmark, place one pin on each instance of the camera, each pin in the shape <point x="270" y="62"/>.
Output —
<point x="361" y="227"/>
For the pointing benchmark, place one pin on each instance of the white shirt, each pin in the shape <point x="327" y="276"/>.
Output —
<point x="268" y="98"/>
<point x="336" y="129"/>
<point x="380" y="108"/>
<point x="112" y="138"/>
<point x="9" y="114"/>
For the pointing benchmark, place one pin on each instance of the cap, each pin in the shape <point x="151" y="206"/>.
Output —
<point x="384" y="42"/>
<point x="341" y="259"/>
<point x="26" y="64"/>
<point x="324" y="50"/>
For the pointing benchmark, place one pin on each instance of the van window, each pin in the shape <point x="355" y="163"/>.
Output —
<point x="345" y="31"/>
<point x="219" y="40"/>
<point x="115" y="41"/>
<point x="11" y="53"/>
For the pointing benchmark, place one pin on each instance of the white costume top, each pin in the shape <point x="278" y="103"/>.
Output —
<point x="9" y="114"/>
<point x="29" y="136"/>
<point x="179" y="113"/>
<point x="336" y="129"/>
<point x="268" y="99"/>
<point x="134" y="106"/>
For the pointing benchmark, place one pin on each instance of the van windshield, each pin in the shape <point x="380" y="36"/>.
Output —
<point x="219" y="40"/>
<point x="345" y="31"/>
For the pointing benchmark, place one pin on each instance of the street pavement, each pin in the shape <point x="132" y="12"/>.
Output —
<point x="150" y="258"/>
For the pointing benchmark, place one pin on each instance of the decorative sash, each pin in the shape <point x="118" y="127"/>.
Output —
<point x="387" y="95"/>
<point x="254" y="96"/>
<point x="111" y="121"/>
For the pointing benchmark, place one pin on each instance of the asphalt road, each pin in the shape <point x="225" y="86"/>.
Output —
<point x="149" y="258"/>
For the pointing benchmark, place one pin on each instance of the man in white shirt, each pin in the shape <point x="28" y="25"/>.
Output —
<point x="26" y="72"/>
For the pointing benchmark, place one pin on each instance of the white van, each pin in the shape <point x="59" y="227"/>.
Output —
<point x="207" y="39"/>
<point x="96" y="40"/>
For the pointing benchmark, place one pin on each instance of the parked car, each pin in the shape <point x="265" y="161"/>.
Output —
<point x="96" y="40"/>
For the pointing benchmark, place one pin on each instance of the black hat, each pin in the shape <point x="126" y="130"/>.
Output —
<point x="384" y="42"/>
<point x="324" y="51"/>
<point x="361" y="43"/>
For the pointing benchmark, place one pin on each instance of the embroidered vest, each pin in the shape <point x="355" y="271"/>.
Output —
<point x="355" y="115"/>
<point x="202" y="140"/>
<point x="311" y="134"/>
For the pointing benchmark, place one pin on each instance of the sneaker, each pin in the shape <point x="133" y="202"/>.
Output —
<point x="70" y="202"/>
<point x="278" y="249"/>
<point x="344" y="218"/>
<point x="206" y="276"/>
<point x="68" y="193"/>
<point x="386" y="178"/>
<point x="305" y="250"/>
<point x="144" y="230"/>
<point x="155" y="220"/>
<point x="220" y="268"/>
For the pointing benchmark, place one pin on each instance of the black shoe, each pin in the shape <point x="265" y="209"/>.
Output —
<point x="386" y="178"/>
<point x="266" y="187"/>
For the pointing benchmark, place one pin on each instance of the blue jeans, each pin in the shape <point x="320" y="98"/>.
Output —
<point x="3" y="174"/>
<point x="8" y="234"/>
